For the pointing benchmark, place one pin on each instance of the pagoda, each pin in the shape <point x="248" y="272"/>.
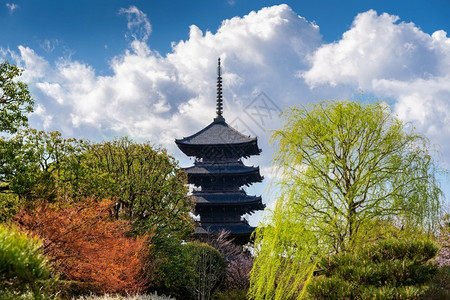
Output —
<point x="219" y="174"/>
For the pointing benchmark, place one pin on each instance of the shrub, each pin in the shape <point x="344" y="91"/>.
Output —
<point x="390" y="269"/>
<point x="239" y="261"/>
<point x="208" y="270"/>
<point x="24" y="270"/>
<point x="236" y="294"/>
<point x="192" y="270"/>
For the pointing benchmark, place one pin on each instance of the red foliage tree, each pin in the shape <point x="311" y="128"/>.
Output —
<point x="85" y="244"/>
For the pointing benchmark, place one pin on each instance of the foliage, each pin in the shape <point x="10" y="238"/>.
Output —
<point x="209" y="270"/>
<point x="343" y="166"/>
<point x="46" y="166"/>
<point x="440" y="285"/>
<point x="187" y="270"/>
<point x="389" y="269"/>
<point x="147" y="184"/>
<point x="152" y="296"/>
<point x="15" y="103"/>
<point x="233" y="294"/>
<point x="9" y="205"/>
<point x="169" y="271"/>
<point x="285" y="256"/>
<point x="350" y="163"/>
<point x="15" y="99"/>
<point x="239" y="262"/>
<point x="85" y="245"/>
<point x="24" y="270"/>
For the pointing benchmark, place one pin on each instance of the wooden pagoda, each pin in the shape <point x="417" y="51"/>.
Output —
<point x="219" y="174"/>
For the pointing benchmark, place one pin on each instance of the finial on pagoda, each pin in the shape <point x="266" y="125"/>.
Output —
<point x="219" y="101"/>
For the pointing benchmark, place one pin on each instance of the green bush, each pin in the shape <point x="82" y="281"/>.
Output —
<point x="168" y="269"/>
<point x="390" y="269"/>
<point x="9" y="205"/>
<point x="235" y="294"/>
<point x="208" y="270"/>
<point x="186" y="271"/>
<point x="440" y="285"/>
<point x="24" y="270"/>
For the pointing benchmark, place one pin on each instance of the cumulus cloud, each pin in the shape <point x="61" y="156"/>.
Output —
<point x="386" y="57"/>
<point x="158" y="98"/>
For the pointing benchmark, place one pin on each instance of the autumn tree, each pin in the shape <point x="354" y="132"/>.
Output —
<point x="84" y="244"/>
<point x="342" y="166"/>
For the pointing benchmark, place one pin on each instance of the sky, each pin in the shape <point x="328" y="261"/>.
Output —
<point x="147" y="69"/>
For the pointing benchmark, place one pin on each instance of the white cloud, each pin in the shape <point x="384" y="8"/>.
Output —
<point x="161" y="98"/>
<point x="12" y="7"/>
<point x="49" y="45"/>
<point x="138" y="22"/>
<point x="394" y="59"/>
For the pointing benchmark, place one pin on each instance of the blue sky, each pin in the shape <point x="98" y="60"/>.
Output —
<point x="146" y="69"/>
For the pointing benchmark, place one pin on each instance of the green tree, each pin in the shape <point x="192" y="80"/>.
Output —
<point x="146" y="183"/>
<point x="15" y="103"/>
<point x="343" y="166"/>
<point x="209" y="270"/>
<point x="15" y="99"/>
<point x="46" y="166"/>
<point x="191" y="270"/>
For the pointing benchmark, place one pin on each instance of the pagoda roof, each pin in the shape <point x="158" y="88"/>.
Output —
<point x="239" y="228"/>
<point x="221" y="169"/>
<point x="216" y="133"/>
<point x="225" y="199"/>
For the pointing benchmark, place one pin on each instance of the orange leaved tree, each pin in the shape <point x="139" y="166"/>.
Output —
<point x="85" y="244"/>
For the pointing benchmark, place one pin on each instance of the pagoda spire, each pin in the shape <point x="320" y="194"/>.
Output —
<point x="219" y="100"/>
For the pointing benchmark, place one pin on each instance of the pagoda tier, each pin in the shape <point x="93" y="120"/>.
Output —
<point x="223" y="176"/>
<point x="218" y="141"/>
<point x="240" y="231"/>
<point x="239" y="203"/>
<point x="218" y="175"/>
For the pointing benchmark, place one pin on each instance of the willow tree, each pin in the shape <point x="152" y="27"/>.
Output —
<point x="343" y="167"/>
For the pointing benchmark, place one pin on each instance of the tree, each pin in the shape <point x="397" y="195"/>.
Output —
<point x="209" y="270"/>
<point x="15" y="103"/>
<point x="186" y="270"/>
<point x="239" y="261"/>
<point x="46" y="166"/>
<point x="85" y="244"/>
<point x="343" y="166"/>
<point x="146" y="183"/>
<point x="15" y="99"/>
